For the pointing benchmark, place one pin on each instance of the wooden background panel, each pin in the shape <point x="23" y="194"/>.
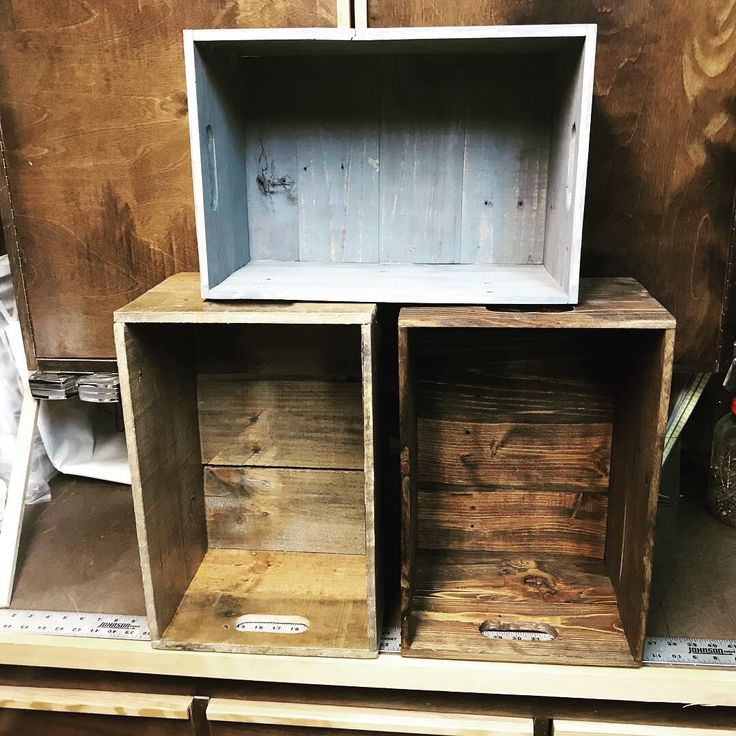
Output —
<point x="94" y="113"/>
<point x="662" y="170"/>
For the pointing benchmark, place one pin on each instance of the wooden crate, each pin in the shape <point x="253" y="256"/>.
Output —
<point x="426" y="165"/>
<point x="250" y="433"/>
<point x="531" y="447"/>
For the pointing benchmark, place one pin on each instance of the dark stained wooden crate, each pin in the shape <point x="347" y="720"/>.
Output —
<point x="531" y="447"/>
<point x="250" y="432"/>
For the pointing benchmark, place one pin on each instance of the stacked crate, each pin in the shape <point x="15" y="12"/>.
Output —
<point x="414" y="166"/>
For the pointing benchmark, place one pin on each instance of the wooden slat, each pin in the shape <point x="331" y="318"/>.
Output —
<point x="590" y="632"/>
<point x="462" y="578"/>
<point x="272" y="194"/>
<point x="326" y="589"/>
<point x="379" y="720"/>
<point x="507" y="141"/>
<point x="280" y="351"/>
<point x="604" y="304"/>
<point x="421" y="172"/>
<point x="528" y="457"/>
<point x="300" y="424"/>
<point x="514" y="522"/>
<point x="158" y="391"/>
<point x="177" y="300"/>
<point x="288" y="510"/>
<point x="373" y="451"/>
<point x="639" y="436"/>
<point x="337" y="159"/>
<point x="63" y="700"/>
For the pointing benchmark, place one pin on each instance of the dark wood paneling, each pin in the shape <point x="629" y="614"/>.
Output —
<point x="94" y="111"/>
<point x="662" y="171"/>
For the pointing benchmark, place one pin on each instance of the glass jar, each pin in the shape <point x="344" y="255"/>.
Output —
<point x="721" y="493"/>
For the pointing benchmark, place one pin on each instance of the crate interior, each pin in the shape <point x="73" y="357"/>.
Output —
<point x="403" y="159"/>
<point x="252" y="462"/>
<point x="526" y="512"/>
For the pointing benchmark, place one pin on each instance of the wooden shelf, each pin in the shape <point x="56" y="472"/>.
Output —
<point x="387" y="671"/>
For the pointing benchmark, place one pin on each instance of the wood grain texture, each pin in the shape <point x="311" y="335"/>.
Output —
<point x="79" y="552"/>
<point x="328" y="590"/>
<point x="662" y="171"/>
<point x="177" y="300"/>
<point x="533" y="441"/>
<point x="158" y="392"/>
<point x="376" y="720"/>
<point x="605" y="303"/>
<point x="455" y="595"/>
<point x="287" y="510"/>
<point x="94" y="115"/>
<point x="513" y="521"/>
<point x="280" y="423"/>
<point x="638" y="438"/>
<point x="514" y="457"/>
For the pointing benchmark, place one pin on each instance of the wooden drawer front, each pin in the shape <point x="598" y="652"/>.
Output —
<point x="266" y="718"/>
<point x="61" y="711"/>
<point x="40" y="723"/>
<point x="602" y="728"/>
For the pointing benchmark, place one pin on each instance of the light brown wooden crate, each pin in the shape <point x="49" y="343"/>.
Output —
<point x="253" y="469"/>
<point x="531" y="445"/>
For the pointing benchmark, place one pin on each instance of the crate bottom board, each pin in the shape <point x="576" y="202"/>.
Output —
<point x="457" y="592"/>
<point x="392" y="282"/>
<point x="329" y="590"/>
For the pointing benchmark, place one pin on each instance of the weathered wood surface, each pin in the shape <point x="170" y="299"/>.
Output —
<point x="605" y="303"/>
<point x="274" y="423"/>
<point x="513" y="521"/>
<point x="94" y="112"/>
<point x="178" y="300"/>
<point x="326" y="589"/>
<point x="662" y="171"/>
<point x="287" y="510"/>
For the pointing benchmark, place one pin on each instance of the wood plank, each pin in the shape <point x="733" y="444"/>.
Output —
<point x="640" y="426"/>
<point x="504" y="376"/>
<point x="217" y="143"/>
<point x="458" y="579"/>
<point x="12" y="518"/>
<point x="158" y="391"/>
<point x="514" y="522"/>
<point x="328" y="590"/>
<point x="95" y="124"/>
<point x="683" y="685"/>
<point x="590" y="631"/>
<point x="399" y="283"/>
<point x="529" y="457"/>
<point x="281" y="423"/>
<point x="607" y="728"/>
<point x="408" y="470"/>
<point x="177" y="300"/>
<point x="337" y="159"/>
<point x="610" y="303"/>
<point x="63" y="700"/>
<point x="280" y="351"/>
<point x="421" y="172"/>
<point x="662" y="155"/>
<point x="507" y="138"/>
<point x="374" y="426"/>
<point x="350" y="717"/>
<point x="286" y="510"/>
<point x="272" y="199"/>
